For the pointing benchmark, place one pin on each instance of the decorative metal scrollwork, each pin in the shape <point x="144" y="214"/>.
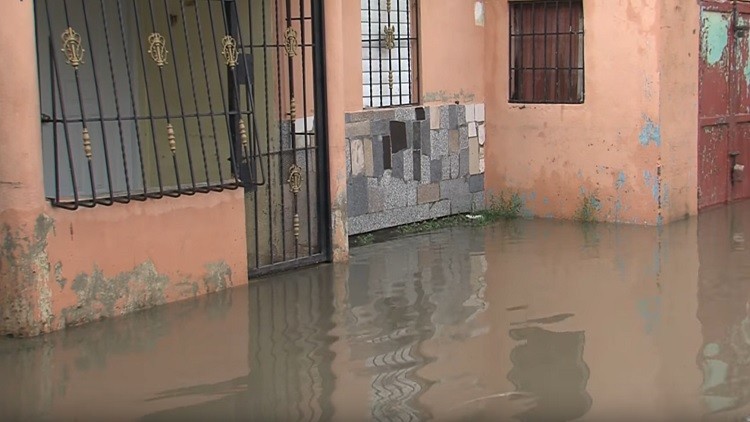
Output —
<point x="390" y="80"/>
<point x="229" y="51"/>
<point x="72" y="47"/>
<point x="293" y="108"/>
<point x="171" y="138"/>
<point x="291" y="41"/>
<point x="87" y="144"/>
<point x="157" y="48"/>
<point x="388" y="5"/>
<point x="296" y="225"/>
<point x="390" y="37"/>
<point x="243" y="134"/>
<point x="295" y="178"/>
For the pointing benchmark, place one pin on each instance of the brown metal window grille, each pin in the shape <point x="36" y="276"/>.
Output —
<point x="390" y="52"/>
<point x="144" y="99"/>
<point x="546" y="51"/>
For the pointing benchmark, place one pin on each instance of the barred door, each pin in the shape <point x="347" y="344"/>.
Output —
<point x="143" y="99"/>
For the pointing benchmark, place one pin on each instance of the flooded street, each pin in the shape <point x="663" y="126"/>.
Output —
<point x="523" y="320"/>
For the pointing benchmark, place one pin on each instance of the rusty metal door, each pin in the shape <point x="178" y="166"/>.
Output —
<point x="724" y="109"/>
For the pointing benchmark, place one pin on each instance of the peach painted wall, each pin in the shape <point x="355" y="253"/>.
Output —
<point x="451" y="51"/>
<point x="60" y="268"/>
<point x="631" y="144"/>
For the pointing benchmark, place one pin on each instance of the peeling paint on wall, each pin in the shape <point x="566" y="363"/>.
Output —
<point x="479" y="13"/>
<point x="714" y="36"/>
<point x="650" y="133"/>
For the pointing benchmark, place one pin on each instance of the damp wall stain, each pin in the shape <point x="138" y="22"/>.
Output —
<point x="650" y="133"/>
<point x="37" y="297"/>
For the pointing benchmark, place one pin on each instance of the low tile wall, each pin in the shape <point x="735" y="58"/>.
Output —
<point x="411" y="164"/>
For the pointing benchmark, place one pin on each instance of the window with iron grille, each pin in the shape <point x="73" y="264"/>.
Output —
<point x="144" y="99"/>
<point x="546" y="51"/>
<point x="390" y="52"/>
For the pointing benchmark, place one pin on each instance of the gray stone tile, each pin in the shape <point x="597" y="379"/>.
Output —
<point x="408" y="158"/>
<point x="478" y="201"/>
<point x="348" y="152"/>
<point x="452" y="116"/>
<point x="398" y="136"/>
<point x="380" y="127"/>
<point x="377" y="157"/>
<point x="370" y="115"/>
<point x="454" y="166"/>
<point x="463" y="136"/>
<point x="453" y="141"/>
<point x="416" y="166"/>
<point x="462" y="204"/>
<point x="357" y="203"/>
<point x="439" y="143"/>
<point x="426" y="169"/>
<point x="357" y="129"/>
<point x="386" y="152"/>
<point x="395" y="194"/>
<point x="436" y="170"/>
<point x="397" y="165"/>
<point x="420" y="113"/>
<point x="439" y="209"/>
<point x="428" y="193"/>
<point x="463" y="163"/>
<point x="414" y="140"/>
<point x="461" y="115"/>
<point x="405" y="114"/>
<point x="369" y="168"/>
<point x="425" y="139"/>
<point x="375" y="199"/>
<point x="411" y="190"/>
<point x="454" y="188"/>
<point x="445" y="117"/>
<point x="446" y="168"/>
<point x="476" y="183"/>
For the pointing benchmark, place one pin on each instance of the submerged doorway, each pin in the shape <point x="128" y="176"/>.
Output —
<point x="145" y="99"/>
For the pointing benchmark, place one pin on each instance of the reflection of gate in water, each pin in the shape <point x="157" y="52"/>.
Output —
<point x="144" y="99"/>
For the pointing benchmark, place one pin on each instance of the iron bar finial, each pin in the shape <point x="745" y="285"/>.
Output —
<point x="157" y="48"/>
<point x="229" y="51"/>
<point x="87" y="144"/>
<point x="171" y="138"/>
<point x="291" y="42"/>
<point x="72" y="47"/>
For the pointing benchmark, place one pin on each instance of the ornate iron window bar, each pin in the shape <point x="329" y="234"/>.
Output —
<point x="390" y="53"/>
<point x="144" y="99"/>
<point x="546" y="51"/>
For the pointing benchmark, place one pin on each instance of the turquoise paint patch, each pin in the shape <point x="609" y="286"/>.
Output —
<point x="620" y="180"/>
<point x="532" y="196"/>
<point x="714" y="36"/>
<point x="651" y="133"/>
<point x="618" y="206"/>
<point x="545" y="201"/>
<point x="660" y="220"/>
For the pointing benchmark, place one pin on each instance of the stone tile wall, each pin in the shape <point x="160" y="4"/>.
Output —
<point x="411" y="164"/>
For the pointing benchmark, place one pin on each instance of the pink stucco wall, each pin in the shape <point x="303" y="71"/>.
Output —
<point x="631" y="145"/>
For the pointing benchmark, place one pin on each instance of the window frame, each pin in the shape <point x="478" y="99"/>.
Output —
<point x="516" y="73"/>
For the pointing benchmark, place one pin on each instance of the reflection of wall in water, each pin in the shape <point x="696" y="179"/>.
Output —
<point x="550" y="366"/>
<point x="415" y="294"/>
<point x="724" y="308"/>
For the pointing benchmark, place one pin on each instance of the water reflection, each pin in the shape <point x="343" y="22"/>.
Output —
<point x="524" y="320"/>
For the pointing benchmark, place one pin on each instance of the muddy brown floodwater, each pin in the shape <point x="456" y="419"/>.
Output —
<point x="523" y="320"/>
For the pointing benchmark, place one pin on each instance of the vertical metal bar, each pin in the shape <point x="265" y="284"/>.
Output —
<point x="256" y="206"/>
<point x="533" y="53"/>
<point x="279" y="50"/>
<point x="265" y="47"/>
<point x="64" y="120"/>
<point x="570" y="53"/>
<point x="307" y="149"/>
<point x="398" y="40"/>
<point x="148" y="95"/>
<point x="193" y="91"/>
<point x="166" y="104"/>
<point x="545" y="10"/>
<point x="118" y="112"/>
<point x="84" y="122"/>
<point x="390" y="56"/>
<point x="293" y="126"/>
<point x="412" y="66"/>
<point x="582" y="52"/>
<point x="321" y="129"/>
<point x="521" y="34"/>
<point x="55" y="136"/>
<point x="369" y="56"/>
<point x="199" y="27"/>
<point x="105" y="142"/>
<point x="558" y="94"/>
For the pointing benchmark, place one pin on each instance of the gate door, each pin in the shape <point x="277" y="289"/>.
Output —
<point x="724" y="110"/>
<point x="287" y="216"/>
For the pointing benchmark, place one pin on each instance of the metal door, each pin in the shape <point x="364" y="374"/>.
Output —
<point x="724" y="109"/>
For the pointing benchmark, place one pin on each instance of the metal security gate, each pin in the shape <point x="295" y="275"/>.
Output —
<point x="287" y="217"/>
<point x="724" y="106"/>
<point x="142" y="99"/>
